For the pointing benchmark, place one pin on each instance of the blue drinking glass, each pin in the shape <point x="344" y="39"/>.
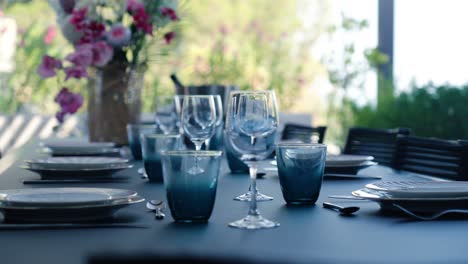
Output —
<point x="300" y="171"/>
<point x="133" y="133"/>
<point x="151" y="147"/>
<point x="191" y="196"/>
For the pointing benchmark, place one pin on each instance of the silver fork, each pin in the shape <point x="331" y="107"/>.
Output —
<point x="430" y="217"/>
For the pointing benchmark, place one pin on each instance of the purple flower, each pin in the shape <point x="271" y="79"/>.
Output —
<point x="60" y="116"/>
<point x="119" y="35"/>
<point x="102" y="53"/>
<point x="78" y="18"/>
<point x="69" y="103"/>
<point x="168" y="37"/>
<point x="83" y="55"/>
<point x="133" y="5"/>
<point x="169" y="12"/>
<point x="67" y="5"/>
<point x="76" y="71"/>
<point x="48" y="66"/>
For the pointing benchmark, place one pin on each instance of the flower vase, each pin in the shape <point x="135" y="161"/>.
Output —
<point x="114" y="101"/>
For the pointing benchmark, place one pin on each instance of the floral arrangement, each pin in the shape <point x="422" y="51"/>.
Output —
<point x="104" y="32"/>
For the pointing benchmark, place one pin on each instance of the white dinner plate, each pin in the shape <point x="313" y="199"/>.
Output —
<point x="76" y="163"/>
<point x="64" y="204"/>
<point x="421" y="189"/>
<point x="63" y="146"/>
<point x="347" y="160"/>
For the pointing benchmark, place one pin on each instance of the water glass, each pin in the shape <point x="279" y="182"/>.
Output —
<point x="300" y="170"/>
<point x="151" y="147"/>
<point x="133" y="133"/>
<point x="191" y="196"/>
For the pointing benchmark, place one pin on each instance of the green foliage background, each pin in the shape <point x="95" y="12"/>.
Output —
<point x="429" y="111"/>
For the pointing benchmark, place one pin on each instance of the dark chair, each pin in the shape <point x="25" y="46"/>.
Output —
<point x="379" y="143"/>
<point x="303" y="133"/>
<point x="434" y="157"/>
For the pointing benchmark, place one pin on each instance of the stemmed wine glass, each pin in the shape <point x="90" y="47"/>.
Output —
<point x="199" y="118"/>
<point x="215" y="140"/>
<point x="166" y="115"/>
<point x="251" y="125"/>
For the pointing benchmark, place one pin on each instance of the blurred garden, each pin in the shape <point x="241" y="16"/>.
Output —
<point x="254" y="45"/>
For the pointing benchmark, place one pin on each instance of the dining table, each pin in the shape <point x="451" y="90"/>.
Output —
<point x="307" y="234"/>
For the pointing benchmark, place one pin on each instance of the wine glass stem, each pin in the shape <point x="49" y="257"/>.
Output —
<point x="253" y="188"/>
<point x="198" y="146"/>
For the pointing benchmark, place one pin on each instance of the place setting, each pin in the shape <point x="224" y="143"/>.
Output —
<point x="66" y="207"/>
<point x="422" y="200"/>
<point x="79" y="169"/>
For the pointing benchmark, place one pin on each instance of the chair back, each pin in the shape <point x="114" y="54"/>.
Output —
<point x="379" y="143"/>
<point x="303" y="133"/>
<point x="434" y="157"/>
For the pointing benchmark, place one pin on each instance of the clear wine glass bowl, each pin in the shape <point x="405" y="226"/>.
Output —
<point x="166" y="114"/>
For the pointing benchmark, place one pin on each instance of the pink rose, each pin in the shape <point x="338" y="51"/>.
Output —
<point x="48" y="66"/>
<point x="76" y="72"/>
<point x="83" y="55"/>
<point x="133" y="5"/>
<point x="50" y="35"/>
<point x="102" y="53"/>
<point x="119" y="35"/>
<point x="169" y="36"/>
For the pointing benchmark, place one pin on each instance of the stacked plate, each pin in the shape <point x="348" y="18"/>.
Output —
<point x="76" y="147"/>
<point x="76" y="167"/>
<point x="64" y="204"/>
<point x="417" y="196"/>
<point x="347" y="164"/>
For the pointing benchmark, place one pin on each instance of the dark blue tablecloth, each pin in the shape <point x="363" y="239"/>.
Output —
<point x="307" y="234"/>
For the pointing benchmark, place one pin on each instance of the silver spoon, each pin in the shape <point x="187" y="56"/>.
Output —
<point x="343" y="210"/>
<point x="156" y="206"/>
<point x="142" y="172"/>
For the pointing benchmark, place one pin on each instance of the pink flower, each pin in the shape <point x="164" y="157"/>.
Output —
<point x="169" y="12"/>
<point x="83" y="55"/>
<point x="78" y="18"/>
<point x="169" y="36"/>
<point x="69" y="103"/>
<point x="133" y="5"/>
<point x="48" y="66"/>
<point x="50" y="35"/>
<point x="67" y="5"/>
<point x="102" y="53"/>
<point x="76" y="72"/>
<point x="119" y="35"/>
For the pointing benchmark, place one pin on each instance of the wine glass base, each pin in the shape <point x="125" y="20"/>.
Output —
<point x="253" y="222"/>
<point x="247" y="197"/>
